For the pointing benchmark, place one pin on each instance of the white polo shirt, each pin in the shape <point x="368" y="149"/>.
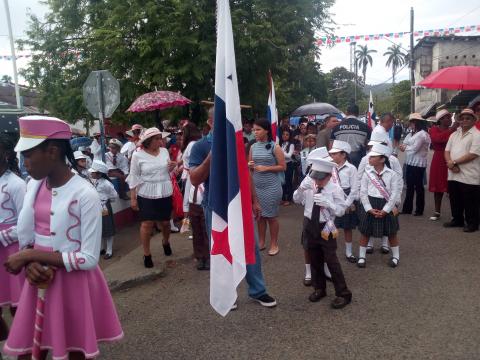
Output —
<point x="460" y="144"/>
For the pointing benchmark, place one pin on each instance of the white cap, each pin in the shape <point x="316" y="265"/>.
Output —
<point x="339" y="146"/>
<point x="380" y="150"/>
<point x="321" y="168"/>
<point x="377" y="138"/>
<point x="115" y="142"/>
<point x="79" y="155"/>
<point x="319" y="153"/>
<point x="98" y="166"/>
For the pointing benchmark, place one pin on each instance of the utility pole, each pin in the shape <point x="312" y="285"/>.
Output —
<point x="14" y="58"/>
<point x="412" y="66"/>
<point x="355" y="66"/>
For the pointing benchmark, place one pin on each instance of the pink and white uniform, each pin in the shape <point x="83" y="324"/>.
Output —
<point x="12" y="192"/>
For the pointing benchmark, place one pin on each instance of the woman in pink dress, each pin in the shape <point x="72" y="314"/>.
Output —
<point x="437" y="181"/>
<point x="59" y="231"/>
<point x="12" y="191"/>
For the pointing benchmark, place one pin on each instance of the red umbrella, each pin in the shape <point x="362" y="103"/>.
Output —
<point x="158" y="100"/>
<point x="454" y="78"/>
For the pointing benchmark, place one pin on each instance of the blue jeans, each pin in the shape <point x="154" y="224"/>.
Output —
<point x="254" y="277"/>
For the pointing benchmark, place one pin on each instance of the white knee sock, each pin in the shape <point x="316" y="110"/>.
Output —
<point x="326" y="271"/>
<point x="172" y="225"/>
<point x="308" y="271"/>
<point x="385" y="242"/>
<point x="362" y="253"/>
<point x="395" y="252"/>
<point x="348" y="249"/>
<point x="370" y="242"/>
<point x="109" y="245"/>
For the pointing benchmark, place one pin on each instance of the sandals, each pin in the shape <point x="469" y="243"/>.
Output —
<point x="362" y="262"/>
<point x="369" y="249"/>
<point x="351" y="258"/>
<point x="393" y="262"/>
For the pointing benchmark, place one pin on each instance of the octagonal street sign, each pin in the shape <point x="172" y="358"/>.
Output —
<point x="101" y="93"/>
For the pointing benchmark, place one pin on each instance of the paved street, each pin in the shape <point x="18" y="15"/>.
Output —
<point x="427" y="308"/>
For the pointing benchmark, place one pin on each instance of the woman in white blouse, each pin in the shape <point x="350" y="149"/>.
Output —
<point x="416" y="147"/>
<point x="151" y="189"/>
<point x="286" y="142"/>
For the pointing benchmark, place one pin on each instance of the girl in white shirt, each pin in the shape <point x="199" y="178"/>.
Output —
<point x="288" y="148"/>
<point x="345" y="175"/>
<point x="107" y="193"/>
<point x="12" y="192"/>
<point x="379" y="193"/>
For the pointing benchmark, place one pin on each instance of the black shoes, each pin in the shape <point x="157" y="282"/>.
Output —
<point x="307" y="281"/>
<point x="107" y="256"/>
<point x="103" y="252"/>
<point x="167" y="250"/>
<point x="352" y="259"/>
<point x="317" y="295"/>
<point x="362" y="262"/>
<point x="369" y="250"/>
<point x="203" y="264"/>
<point x="452" y="224"/>
<point x="266" y="300"/>
<point x="341" y="301"/>
<point x="147" y="261"/>
<point x="384" y="250"/>
<point x="418" y="214"/>
<point x="393" y="262"/>
<point x="469" y="229"/>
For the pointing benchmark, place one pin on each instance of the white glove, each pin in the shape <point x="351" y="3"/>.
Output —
<point x="322" y="201"/>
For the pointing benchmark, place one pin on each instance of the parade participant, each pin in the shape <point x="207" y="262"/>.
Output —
<point x="200" y="158"/>
<point x="416" y="147"/>
<point x="286" y="143"/>
<point x="133" y="142"/>
<point x="299" y="197"/>
<point x="379" y="192"/>
<point x="462" y="155"/>
<point x="151" y="189"/>
<point x="395" y="165"/>
<point x="266" y="161"/>
<point x="96" y="147"/>
<point x="345" y="175"/>
<point x="12" y="192"/>
<point x="88" y="155"/>
<point x="353" y="131"/>
<point x="324" y="201"/>
<point x="308" y="146"/>
<point x="107" y="193"/>
<point x="437" y="180"/>
<point x="81" y="161"/>
<point x="59" y="230"/>
<point x="117" y="165"/>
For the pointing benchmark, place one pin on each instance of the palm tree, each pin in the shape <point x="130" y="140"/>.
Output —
<point x="363" y="58"/>
<point x="396" y="58"/>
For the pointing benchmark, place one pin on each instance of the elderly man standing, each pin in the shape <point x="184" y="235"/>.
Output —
<point x="462" y="155"/>
<point x="383" y="127"/>
<point x="323" y="136"/>
<point x="354" y="132"/>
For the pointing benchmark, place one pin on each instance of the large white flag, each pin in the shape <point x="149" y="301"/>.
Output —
<point x="229" y="196"/>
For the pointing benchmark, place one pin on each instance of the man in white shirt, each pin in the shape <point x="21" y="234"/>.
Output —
<point x="462" y="155"/>
<point x="132" y="143"/>
<point x="96" y="147"/>
<point x="117" y="166"/>
<point x="383" y="127"/>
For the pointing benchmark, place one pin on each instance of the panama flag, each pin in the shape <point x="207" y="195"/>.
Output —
<point x="229" y="197"/>
<point x="272" y="114"/>
<point x="371" y="112"/>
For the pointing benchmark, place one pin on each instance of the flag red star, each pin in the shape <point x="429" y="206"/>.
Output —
<point x="220" y="244"/>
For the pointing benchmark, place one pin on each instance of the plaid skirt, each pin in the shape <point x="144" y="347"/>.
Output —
<point x="371" y="226"/>
<point x="108" y="223"/>
<point x="348" y="221"/>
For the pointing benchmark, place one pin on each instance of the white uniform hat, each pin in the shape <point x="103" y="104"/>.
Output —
<point x="380" y="150"/>
<point x="98" y="166"/>
<point x="377" y="138"/>
<point x="321" y="168"/>
<point x="79" y="155"/>
<point x="339" y="146"/>
<point x="115" y="142"/>
<point x="319" y="153"/>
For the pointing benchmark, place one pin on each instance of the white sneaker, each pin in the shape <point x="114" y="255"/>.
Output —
<point x="435" y="217"/>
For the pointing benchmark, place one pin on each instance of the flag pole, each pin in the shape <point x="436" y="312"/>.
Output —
<point x="14" y="58"/>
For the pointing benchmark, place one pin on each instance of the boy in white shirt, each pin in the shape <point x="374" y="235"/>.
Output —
<point x="117" y="165"/>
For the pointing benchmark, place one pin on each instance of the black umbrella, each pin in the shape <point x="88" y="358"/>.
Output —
<point x="316" y="109"/>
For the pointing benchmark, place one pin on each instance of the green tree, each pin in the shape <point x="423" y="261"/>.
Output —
<point x="363" y="58"/>
<point x="341" y="88"/>
<point x="6" y="78"/>
<point x="396" y="58"/>
<point x="170" y="45"/>
<point x="400" y="94"/>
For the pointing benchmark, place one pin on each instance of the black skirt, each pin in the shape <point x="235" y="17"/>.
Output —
<point x="155" y="209"/>
<point x="376" y="227"/>
<point x="108" y="223"/>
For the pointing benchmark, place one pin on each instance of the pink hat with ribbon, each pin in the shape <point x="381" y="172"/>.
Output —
<point x="37" y="128"/>
<point x="152" y="132"/>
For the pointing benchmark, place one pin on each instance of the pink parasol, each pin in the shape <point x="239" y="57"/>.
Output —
<point x="454" y="78"/>
<point x="158" y="100"/>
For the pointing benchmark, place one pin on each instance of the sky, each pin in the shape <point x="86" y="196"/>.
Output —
<point x="352" y="18"/>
